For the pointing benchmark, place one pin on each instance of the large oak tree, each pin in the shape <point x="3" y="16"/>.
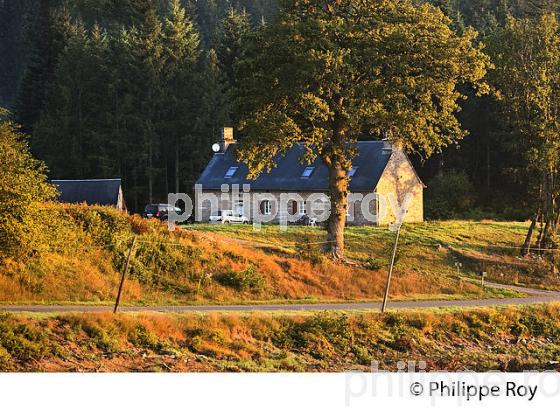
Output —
<point x="325" y="73"/>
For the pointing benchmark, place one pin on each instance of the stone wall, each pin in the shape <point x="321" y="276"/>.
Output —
<point x="398" y="180"/>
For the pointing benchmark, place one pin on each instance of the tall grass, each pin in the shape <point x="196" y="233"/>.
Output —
<point x="507" y="338"/>
<point x="87" y="246"/>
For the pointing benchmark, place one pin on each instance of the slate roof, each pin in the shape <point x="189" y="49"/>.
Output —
<point x="370" y="162"/>
<point x="90" y="191"/>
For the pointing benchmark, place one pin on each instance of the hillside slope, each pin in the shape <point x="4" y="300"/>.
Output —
<point x="81" y="252"/>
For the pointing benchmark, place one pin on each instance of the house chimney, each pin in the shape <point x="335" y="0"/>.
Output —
<point x="227" y="138"/>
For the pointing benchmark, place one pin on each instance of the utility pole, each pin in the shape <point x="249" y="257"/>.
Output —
<point x="124" y="275"/>
<point x="386" y="297"/>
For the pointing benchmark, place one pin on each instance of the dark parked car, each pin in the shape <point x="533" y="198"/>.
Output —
<point x="305" y="220"/>
<point x="161" y="211"/>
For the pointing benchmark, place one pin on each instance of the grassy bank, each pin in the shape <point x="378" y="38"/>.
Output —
<point x="512" y="339"/>
<point x="430" y="248"/>
<point x="81" y="250"/>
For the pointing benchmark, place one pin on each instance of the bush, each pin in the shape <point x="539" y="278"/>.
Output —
<point x="373" y="263"/>
<point x="449" y="195"/>
<point x="249" y="279"/>
<point x="23" y="184"/>
<point x="322" y="335"/>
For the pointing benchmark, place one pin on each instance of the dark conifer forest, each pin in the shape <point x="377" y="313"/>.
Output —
<point x="139" y="89"/>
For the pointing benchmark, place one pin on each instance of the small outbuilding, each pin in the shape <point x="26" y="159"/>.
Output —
<point x="107" y="192"/>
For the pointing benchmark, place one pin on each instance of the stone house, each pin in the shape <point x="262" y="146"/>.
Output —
<point x="381" y="173"/>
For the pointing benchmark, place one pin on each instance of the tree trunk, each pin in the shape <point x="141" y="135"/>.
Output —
<point x="548" y="213"/>
<point x="528" y="239"/>
<point x="488" y="166"/>
<point x="335" y="157"/>
<point x="544" y="242"/>
<point x="338" y="185"/>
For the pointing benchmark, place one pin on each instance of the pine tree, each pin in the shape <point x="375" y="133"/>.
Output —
<point x="180" y="53"/>
<point x="212" y="114"/>
<point x="72" y="131"/>
<point x="233" y="32"/>
<point x="146" y="68"/>
<point x="49" y="35"/>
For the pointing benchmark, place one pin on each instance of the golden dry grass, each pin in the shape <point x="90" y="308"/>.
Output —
<point x="506" y="338"/>
<point x="86" y="247"/>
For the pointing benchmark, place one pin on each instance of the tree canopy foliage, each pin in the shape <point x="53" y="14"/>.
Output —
<point x="334" y="73"/>
<point x="23" y="184"/>
<point x="527" y="76"/>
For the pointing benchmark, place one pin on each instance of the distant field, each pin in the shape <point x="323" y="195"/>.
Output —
<point x="503" y="339"/>
<point x="84" y="249"/>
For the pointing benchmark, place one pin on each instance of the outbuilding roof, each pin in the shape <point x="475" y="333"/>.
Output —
<point x="289" y="174"/>
<point x="90" y="191"/>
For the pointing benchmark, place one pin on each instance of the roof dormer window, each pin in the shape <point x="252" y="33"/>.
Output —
<point x="307" y="172"/>
<point x="231" y="172"/>
<point x="352" y="172"/>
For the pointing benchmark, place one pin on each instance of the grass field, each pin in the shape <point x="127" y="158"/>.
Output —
<point x="84" y="249"/>
<point x="430" y="247"/>
<point x="512" y="339"/>
<point x="418" y="242"/>
<point x="80" y="258"/>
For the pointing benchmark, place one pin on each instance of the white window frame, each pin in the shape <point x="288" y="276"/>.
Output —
<point x="266" y="207"/>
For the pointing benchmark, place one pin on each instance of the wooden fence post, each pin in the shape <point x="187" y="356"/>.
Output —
<point x="386" y="297"/>
<point x="124" y="275"/>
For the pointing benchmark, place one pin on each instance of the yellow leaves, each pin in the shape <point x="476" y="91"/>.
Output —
<point x="22" y="184"/>
<point x="315" y="108"/>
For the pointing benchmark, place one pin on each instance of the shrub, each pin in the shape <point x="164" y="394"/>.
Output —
<point x="373" y="263"/>
<point x="449" y="195"/>
<point x="23" y="184"/>
<point x="21" y="341"/>
<point x="248" y="279"/>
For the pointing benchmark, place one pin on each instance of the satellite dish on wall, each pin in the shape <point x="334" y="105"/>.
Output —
<point x="216" y="147"/>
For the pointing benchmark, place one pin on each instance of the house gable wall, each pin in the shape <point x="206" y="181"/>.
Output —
<point x="399" y="179"/>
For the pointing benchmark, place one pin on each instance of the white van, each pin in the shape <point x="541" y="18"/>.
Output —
<point x="228" y="217"/>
